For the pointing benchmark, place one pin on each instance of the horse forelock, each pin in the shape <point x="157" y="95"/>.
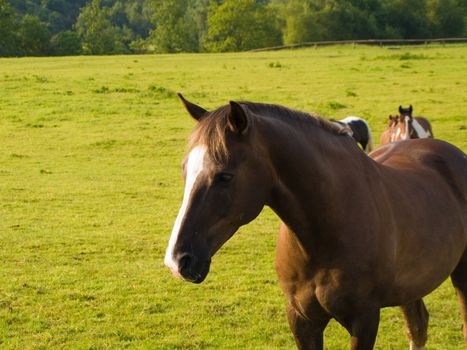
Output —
<point x="211" y="130"/>
<point x="211" y="133"/>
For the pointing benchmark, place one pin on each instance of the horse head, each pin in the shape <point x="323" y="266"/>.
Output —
<point x="226" y="185"/>
<point x="406" y="111"/>
<point x="393" y="120"/>
<point x="405" y="125"/>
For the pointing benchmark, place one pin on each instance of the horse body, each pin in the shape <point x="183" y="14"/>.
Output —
<point x="392" y="261"/>
<point x="349" y="260"/>
<point x="357" y="234"/>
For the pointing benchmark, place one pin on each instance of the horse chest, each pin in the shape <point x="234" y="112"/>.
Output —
<point x="309" y="286"/>
<point x="328" y="290"/>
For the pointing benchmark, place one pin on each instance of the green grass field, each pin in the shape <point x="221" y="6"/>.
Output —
<point x="90" y="185"/>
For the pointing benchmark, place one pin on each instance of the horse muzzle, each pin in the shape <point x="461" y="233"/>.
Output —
<point x="189" y="267"/>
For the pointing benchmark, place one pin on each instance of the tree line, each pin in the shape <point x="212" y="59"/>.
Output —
<point x="96" y="27"/>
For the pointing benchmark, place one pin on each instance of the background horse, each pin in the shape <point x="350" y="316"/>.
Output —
<point x="388" y="135"/>
<point x="413" y="127"/>
<point x="360" y="131"/>
<point x="406" y="127"/>
<point x="358" y="233"/>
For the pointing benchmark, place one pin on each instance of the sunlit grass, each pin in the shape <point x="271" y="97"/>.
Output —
<point x="90" y="186"/>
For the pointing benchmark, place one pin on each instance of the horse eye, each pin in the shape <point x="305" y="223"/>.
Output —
<point x="224" y="177"/>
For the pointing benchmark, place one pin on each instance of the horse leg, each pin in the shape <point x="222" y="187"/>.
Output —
<point x="459" y="281"/>
<point x="363" y="329"/>
<point x="416" y="323"/>
<point x="308" y="332"/>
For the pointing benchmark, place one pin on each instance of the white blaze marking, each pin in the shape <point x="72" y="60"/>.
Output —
<point x="193" y="169"/>
<point x="406" y="134"/>
<point x="395" y="137"/>
<point x="421" y="132"/>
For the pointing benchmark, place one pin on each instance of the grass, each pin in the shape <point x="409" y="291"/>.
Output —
<point x="90" y="186"/>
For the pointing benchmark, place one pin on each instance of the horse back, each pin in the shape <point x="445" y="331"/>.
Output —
<point x="431" y="159"/>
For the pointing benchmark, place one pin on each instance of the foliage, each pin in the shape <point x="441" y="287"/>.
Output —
<point x="34" y="36"/>
<point x="300" y="25"/>
<point x="447" y="17"/>
<point x="238" y="25"/>
<point x="91" y="186"/>
<point x="164" y="26"/>
<point x="175" y="29"/>
<point x="406" y="19"/>
<point x="120" y="22"/>
<point x="60" y="15"/>
<point x="66" y="43"/>
<point x="8" y="28"/>
<point x="99" y="34"/>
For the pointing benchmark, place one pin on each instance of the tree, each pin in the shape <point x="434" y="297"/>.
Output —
<point x="8" y="29"/>
<point x="66" y="43"/>
<point x="316" y="20"/>
<point x="59" y="15"/>
<point x="300" y="25"/>
<point x="341" y="20"/>
<point x="175" y="29"/>
<point x="34" y="36"/>
<point x="238" y="25"/>
<point x="405" y="18"/>
<point x="447" y="18"/>
<point x="98" y="34"/>
<point x="139" y="17"/>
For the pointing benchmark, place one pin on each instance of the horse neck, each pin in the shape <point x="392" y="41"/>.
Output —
<point x="312" y="171"/>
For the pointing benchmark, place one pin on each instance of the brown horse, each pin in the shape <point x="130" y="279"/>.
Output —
<point x="406" y="127"/>
<point x="388" y="135"/>
<point x="358" y="233"/>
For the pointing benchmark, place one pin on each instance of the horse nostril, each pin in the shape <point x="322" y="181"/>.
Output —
<point x="185" y="262"/>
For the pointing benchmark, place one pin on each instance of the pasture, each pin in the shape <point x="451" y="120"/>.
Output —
<point x="90" y="185"/>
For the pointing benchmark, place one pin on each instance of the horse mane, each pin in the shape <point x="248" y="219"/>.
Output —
<point x="211" y="129"/>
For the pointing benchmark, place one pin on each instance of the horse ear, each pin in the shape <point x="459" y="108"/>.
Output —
<point x="410" y="109"/>
<point x="195" y="111"/>
<point x="400" y="109"/>
<point x="237" y="119"/>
